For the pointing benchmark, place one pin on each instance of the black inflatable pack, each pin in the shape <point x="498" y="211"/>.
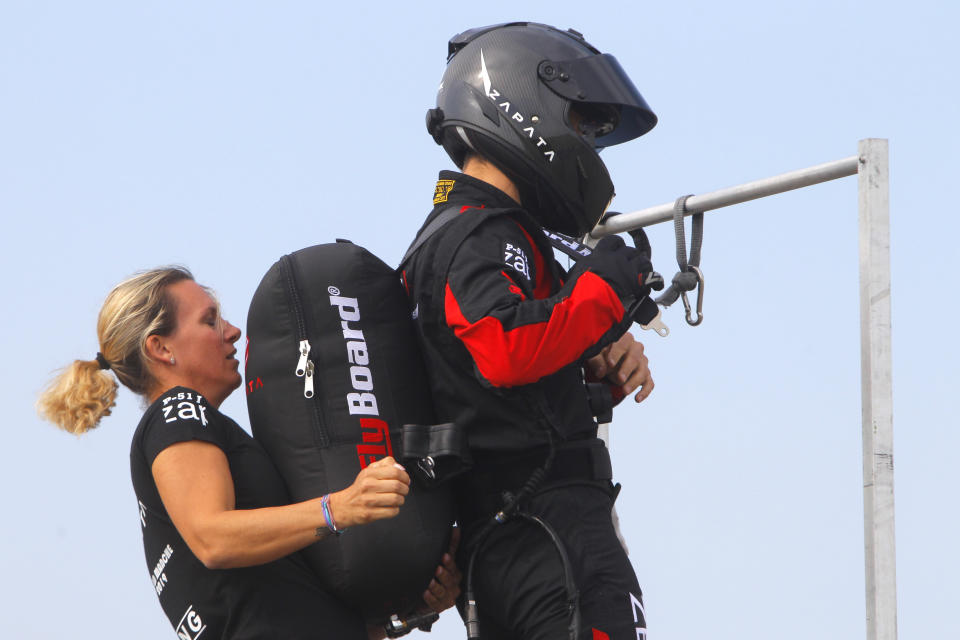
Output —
<point x="333" y="371"/>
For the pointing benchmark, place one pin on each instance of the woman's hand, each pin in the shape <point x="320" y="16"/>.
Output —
<point x="444" y="589"/>
<point x="377" y="493"/>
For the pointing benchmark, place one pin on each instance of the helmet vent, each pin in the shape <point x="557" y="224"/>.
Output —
<point x="487" y="107"/>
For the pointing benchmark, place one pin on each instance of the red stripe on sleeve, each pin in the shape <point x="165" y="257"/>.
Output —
<point x="508" y="358"/>
<point x="512" y="286"/>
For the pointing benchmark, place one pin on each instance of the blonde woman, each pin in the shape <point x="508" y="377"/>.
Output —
<point x="219" y="533"/>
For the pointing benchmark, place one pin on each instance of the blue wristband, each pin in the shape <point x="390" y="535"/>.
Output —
<point x="328" y="515"/>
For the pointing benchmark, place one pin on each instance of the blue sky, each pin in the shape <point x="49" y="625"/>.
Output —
<point x="222" y="135"/>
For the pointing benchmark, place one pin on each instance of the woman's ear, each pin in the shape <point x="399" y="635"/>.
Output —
<point x="157" y="349"/>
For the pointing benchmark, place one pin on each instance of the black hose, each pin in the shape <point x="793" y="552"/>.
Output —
<point x="509" y="510"/>
<point x="573" y="596"/>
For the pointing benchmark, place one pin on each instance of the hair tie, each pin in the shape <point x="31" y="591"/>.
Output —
<point x="102" y="361"/>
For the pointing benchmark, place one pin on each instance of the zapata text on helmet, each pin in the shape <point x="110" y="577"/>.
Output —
<point x="494" y="95"/>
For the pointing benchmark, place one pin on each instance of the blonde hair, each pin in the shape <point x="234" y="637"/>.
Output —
<point x="137" y="308"/>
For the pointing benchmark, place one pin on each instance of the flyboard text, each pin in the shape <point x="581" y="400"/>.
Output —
<point x="362" y="401"/>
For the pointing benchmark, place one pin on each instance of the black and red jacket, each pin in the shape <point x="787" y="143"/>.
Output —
<point x="503" y="335"/>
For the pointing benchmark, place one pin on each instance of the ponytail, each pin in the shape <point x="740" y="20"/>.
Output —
<point x="80" y="395"/>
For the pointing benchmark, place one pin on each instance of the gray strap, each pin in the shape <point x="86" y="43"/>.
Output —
<point x="689" y="275"/>
<point x="442" y="218"/>
<point x="680" y="208"/>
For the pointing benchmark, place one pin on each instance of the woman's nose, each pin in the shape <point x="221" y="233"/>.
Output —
<point x="232" y="333"/>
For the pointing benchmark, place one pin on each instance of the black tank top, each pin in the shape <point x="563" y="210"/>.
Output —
<point x="280" y="599"/>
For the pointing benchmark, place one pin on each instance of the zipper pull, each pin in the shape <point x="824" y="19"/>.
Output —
<point x="302" y="362"/>
<point x="308" y="380"/>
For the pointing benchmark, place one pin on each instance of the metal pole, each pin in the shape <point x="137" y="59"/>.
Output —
<point x="872" y="165"/>
<point x="731" y="195"/>
<point x="877" y="391"/>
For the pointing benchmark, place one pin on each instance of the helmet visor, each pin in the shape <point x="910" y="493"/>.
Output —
<point x="599" y="79"/>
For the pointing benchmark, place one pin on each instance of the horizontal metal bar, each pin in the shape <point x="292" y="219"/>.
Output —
<point x="731" y="195"/>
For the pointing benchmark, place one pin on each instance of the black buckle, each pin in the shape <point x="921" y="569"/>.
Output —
<point x="435" y="452"/>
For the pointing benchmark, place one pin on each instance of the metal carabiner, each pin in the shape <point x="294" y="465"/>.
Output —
<point x="691" y="320"/>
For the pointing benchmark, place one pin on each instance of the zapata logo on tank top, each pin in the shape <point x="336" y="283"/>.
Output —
<point x="185" y="406"/>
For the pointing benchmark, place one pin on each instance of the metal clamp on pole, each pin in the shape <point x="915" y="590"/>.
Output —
<point x="689" y="277"/>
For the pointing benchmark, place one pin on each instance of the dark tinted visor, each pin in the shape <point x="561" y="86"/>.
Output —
<point x="600" y="79"/>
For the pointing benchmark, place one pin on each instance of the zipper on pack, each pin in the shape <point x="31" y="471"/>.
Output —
<point x="308" y="380"/>
<point x="305" y="366"/>
<point x="304" y="358"/>
<point x="303" y="361"/>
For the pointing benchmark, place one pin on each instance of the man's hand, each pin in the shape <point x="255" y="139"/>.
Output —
<point x="627" y="270"/>
<point x="444" y="589"/>
<point x="623" y="365"/>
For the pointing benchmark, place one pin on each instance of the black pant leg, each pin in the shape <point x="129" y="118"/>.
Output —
<point x="519" y="575"/>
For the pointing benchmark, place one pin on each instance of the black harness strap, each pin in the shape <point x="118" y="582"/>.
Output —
<point x="567" y="245"/>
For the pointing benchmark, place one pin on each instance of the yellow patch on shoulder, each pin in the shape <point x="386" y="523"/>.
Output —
<point x="442" y="192"/>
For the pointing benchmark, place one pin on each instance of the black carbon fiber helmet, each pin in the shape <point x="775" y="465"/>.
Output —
<point x="539" y="103"/>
